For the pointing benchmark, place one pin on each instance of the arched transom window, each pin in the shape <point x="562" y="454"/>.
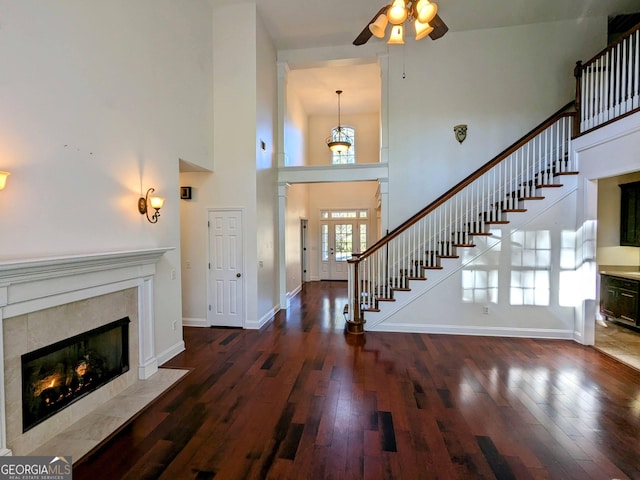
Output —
<point x="348" y="156"/>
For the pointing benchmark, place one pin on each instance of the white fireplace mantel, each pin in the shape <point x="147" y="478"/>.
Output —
<point x="26" y="284"/>
<point x="32" y="285"/>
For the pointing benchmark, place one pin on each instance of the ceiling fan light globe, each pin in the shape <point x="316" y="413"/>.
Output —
<point x="379" y="27"/>
<point x="397" y="35"/>
<point x="397" y="12"/>
<point x="426" y="11"/>
<point x="422" y="30"/>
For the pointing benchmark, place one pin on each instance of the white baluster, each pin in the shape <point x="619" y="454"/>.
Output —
<point x="636" y="75"/>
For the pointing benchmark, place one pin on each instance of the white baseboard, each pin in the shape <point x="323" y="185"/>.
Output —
<point x="194" y="322"/>
<point x="170" y="352"/>
<point x="478" y="331"/>
<point x="263" y="320"/>
<point x="295" y="292"/>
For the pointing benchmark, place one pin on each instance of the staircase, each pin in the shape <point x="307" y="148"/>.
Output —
<point x="533" y="174"/>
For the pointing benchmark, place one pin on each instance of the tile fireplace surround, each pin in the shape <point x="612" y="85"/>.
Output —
<point x="45" y="300"/>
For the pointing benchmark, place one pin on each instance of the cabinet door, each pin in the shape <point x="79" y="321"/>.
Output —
<point x="628" y="303"/>
<point x="630" y="214"/>
<point x="608" y="297"/>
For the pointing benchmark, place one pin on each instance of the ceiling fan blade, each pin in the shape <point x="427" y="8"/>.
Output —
<point x="439" y="28"/>
<point x="366" y="34"/>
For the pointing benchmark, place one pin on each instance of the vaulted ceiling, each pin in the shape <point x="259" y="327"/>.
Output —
<point x="296" y="24"/>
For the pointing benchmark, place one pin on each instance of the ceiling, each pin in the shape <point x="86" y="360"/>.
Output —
<point x="296" y="24"/>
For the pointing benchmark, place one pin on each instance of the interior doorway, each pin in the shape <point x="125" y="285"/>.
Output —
<point x="226" y="282"/>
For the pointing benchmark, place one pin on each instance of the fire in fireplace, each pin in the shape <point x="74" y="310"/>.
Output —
<point x="57" y="375"/>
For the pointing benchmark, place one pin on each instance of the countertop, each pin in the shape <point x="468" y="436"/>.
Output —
<point x="631" y="272"/>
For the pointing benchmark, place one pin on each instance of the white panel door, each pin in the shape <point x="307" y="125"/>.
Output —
<point x="226" y="282"/>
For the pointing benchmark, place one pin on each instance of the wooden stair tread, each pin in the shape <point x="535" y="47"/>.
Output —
<point x="385" y="299"/>
<point x="550" y="185"/>
<point x="531" y="198"/>
<point x="434" y="267"/>
<point x="496" y="222"/>
<point x="371" y="309"/>
<point x="400" y="289"/>
<point x="514" y="210"/>
<point x="485" y="234"/>
<point x="416" y="278"/>
<point x="557" y="174"/>
<point x="464" y="245"/>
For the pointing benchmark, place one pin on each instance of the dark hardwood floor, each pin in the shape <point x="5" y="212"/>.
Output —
<point x="300" y="400"/>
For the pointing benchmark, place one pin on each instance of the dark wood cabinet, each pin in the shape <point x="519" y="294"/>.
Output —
<point x="619" y="299"/>
<point x="630" y="214"/>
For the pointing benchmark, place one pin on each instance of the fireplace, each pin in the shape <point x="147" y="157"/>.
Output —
<point x="59" y="374"/>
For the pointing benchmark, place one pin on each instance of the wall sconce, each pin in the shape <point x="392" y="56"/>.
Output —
<point x="147" y="202"/>
<point x="3" y="179"/>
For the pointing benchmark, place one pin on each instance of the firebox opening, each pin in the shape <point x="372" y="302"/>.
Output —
<point x="59" y="374"/>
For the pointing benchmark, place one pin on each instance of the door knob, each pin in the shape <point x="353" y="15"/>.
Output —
<point x="238" y="275"/>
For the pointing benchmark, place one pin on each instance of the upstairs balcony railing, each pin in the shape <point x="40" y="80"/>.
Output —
<point x="608" y="85"/>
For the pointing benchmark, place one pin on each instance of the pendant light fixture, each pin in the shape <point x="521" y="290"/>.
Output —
<point x="338" y="141"/>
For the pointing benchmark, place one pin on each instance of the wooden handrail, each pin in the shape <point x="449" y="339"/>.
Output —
<point x="467" y="181"/>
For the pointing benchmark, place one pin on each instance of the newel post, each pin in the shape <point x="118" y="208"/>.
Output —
<point x="355" y="321"/>
<point x="577" y="72"/>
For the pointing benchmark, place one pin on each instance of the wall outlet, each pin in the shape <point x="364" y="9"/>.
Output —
<point x="173" y="274"/>
<point x="485" y="310"/>
<point x="175" y="324"/>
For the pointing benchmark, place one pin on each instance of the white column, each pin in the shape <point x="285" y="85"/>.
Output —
<point x="4" y="451"/>
<point x="147" y="356"/>
<point x="283" y="73"/>
<point x="383" y="60"/>
<point x="282" y="250"/>
<point x="384" y="205"/>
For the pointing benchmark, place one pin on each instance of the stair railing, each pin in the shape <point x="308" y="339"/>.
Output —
<point x="454" y="218"/>
<point x="608" y="85"/>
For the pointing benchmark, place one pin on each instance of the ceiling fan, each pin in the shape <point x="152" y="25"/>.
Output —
<point x="423" y="12"/>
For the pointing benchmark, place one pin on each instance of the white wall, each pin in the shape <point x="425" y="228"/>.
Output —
<point x="194" y="245"/>
<point x="297" y="209"/>
<point x="297" y="196"/>
<point x="99" y="101"/>
<point x="296" y="130"/>
<point x="500" y="82"/>
<point x="457" y="304"/>
<point x="266" y="177"/>
<point x="609" y="151"/>
<point x="244" y="176"/>
<point x="367" y="137"/>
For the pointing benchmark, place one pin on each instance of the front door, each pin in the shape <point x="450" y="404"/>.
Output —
<point x="226" y="292"/>
<point x="342" y="232"/>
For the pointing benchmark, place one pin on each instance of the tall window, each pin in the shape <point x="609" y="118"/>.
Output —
<point x="350" y="155"/>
